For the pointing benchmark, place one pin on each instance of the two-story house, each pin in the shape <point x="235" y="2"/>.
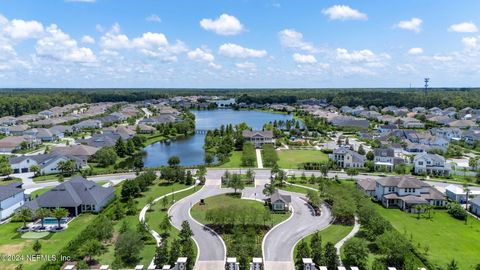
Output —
<point x="434" y="164"/>
<point x="12" y="197"/>
<point x="405" y="192"/>
<point x="346" y="158"/>
<point x="258" y="138"/>
<point x="385" y="159"/>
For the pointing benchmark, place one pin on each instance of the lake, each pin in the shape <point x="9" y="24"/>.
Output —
<point x="190" y="150"/>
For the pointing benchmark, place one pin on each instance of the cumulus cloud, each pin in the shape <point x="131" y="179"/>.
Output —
<point x="246" y="65"/>
<point x="236" y="51"/>
<point x="20" y="29"/>
<point x="58" y="45"/>
<point x="470" y="42"/>
<point x="153" y="18"/>
<point x="359" y="56"/>
<point x="200" y="55"/>
<point x="414" y="24"/>
<point x="415" y="51"/>
<point x="88" y="39"/>
<point x="150" y="44"/>
<point x="290" y="38"/>
<point x="465" y="27"/>
<point x="304" y="58"/>
<point x="343" y="13"/>
<point x="226" y="25"/>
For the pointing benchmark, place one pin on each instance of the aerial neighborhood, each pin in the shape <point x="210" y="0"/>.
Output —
<point x="370" y="171"/>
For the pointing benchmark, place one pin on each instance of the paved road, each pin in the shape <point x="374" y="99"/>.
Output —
<point x="279" y="242"/>
<point x="211" y="249"/>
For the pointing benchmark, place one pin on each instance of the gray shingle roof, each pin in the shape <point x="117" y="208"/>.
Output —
<point x="8" y="191"/>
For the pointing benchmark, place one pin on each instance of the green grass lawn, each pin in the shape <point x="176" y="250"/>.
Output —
<point x="332" y="233"/>
<point x="291" y="159"/>
<point x="153" y="219"/>
<point x="235" y="161"/>
<point x="10" y="181"/>
<point x="11" y="241"/>
<point x="39" y="192"/>
<point x="198" y="213"/>
<point x="446" y="238"/>
<point x="35" y="235"/>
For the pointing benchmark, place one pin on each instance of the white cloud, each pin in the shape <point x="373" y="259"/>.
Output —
<point x="60" y="46"/>
<point x="225" y="25"/>
<point x="237" y="51"/>
<point x="215" y="66"/>
<point x="153" y="18"/>
<point x="343" y="13"/>
<point x="246" y="65"/>
<point x="465" y="27"/>
<point x="20" y="29"/>
<point x="414" y="24"/>
<point x="290" y="38"/>
<point x="200" y="55"/>
<point x="470" y="42"/>
<point x="359" y="56"/>
<point x="304" y="58"/>
<point x="88" y="39"/>
<point x="415" y="51"/>
<point x="442" y="58"/>
<point x="150" y="44"/>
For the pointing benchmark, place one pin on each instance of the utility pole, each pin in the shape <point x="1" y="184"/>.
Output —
<point x="427" y="80"/>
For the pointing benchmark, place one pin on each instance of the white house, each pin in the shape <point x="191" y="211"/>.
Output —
<point x="12" y="197"/>
<point x="475" y="206"/>
<point x="431" y="164"/>
<point x="347" y="158"/>
<point x="258" y="138"/>
<point x="457" y="193"/>
<point x="385" y="159"/>
<point x="47" y="163"/>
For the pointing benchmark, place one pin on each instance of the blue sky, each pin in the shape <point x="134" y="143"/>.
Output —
<point x="238" y="43"/>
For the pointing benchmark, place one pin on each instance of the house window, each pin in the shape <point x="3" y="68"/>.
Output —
<point x="420" y="163"/>
<point x="391" y="189"/>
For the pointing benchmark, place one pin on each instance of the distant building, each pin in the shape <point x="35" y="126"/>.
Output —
<point x="475" y="206"/>
<point x="385" y="159"/>
<point x="11" y="144"/>
<point x="347" y="158"/>
<point x="47" y="163"/>
<point x="258" y="138"/>
<point x="431" y="164"/>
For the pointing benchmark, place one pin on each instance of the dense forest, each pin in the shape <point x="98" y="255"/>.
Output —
<point x="23" y="101"/>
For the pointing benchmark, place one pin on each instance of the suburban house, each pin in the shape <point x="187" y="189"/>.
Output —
<point x="454" y="134"/>
<point x="12" y="197"/>
<point x="351" y="122"/>
<point x="475" y="206"/>
<point x="42" y="134"/>
<point x="10" y="144"/>
<point x="83" y="152"/>
<point x="346" y="158"/>
<point x="280" y="202"/>
<point x="258" y="138"/>
<point x="47" y="163"/>
<point x="404" y="192"/>
<point x="385" y="159"/>
<point x="77" y="196"/>
<point x="88" y="124"/>
<point x="144" y="129"/>
<point x="412" y="123"/>
<point x="459" y="194"/>
<point x="100" y="140"/>
<point x="367" y="185"/>
<point x="16" y="130"/>
<point x="435" y="164"/>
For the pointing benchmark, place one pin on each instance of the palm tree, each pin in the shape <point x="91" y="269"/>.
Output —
<point x="42" y="213"/>
<point x="60" y="213"/>
<point x="24" y="214"/>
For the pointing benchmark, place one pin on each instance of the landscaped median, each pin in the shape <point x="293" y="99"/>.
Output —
<point x="241" y="223"/>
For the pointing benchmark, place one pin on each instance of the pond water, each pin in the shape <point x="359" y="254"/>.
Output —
<point x="190" y="150"/>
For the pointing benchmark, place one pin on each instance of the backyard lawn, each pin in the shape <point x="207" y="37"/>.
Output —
<point x="442" y="231"/>
<point x="235" y="161"/>
<point x="292" y="159"/>
<point x="11" y="242"/>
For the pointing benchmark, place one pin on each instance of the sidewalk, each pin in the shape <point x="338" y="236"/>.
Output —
<point x="259" y="158"/>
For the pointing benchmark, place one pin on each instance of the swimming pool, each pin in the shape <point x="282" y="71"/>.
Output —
<point x="53" y="221"/>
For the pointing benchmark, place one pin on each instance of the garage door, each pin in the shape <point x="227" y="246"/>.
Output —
<point x="24" y="170"/>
